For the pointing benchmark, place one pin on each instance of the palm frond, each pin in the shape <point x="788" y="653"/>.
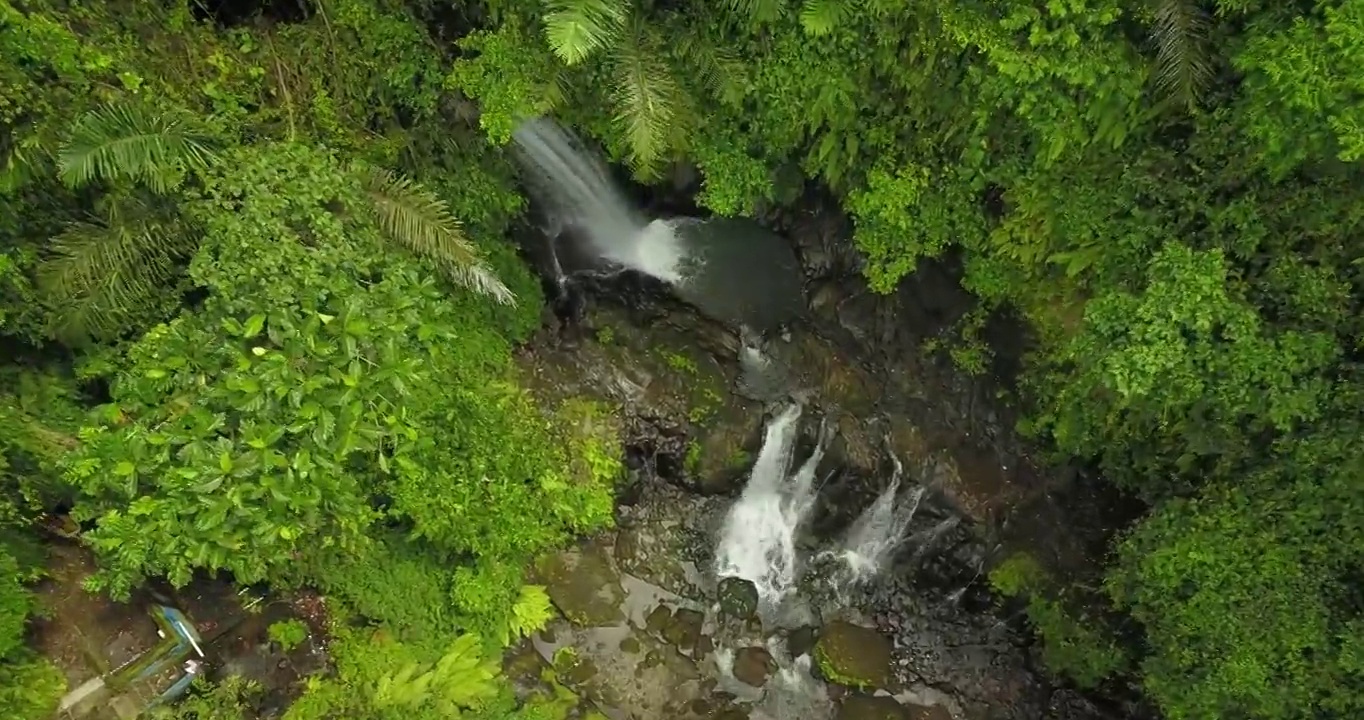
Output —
<point x="820" y="17"/>
<point x="649" y="100"/>
<point x="720" y="69"/>
<point x="758" y="11"/>
<point x="415" y="218"/>
<point x="1180" y="31"/>
<point x="100" y="276"/>
<point x="576" y="29"/>
<point x="130" y="141"/>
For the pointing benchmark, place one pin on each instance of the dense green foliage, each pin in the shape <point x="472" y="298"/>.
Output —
<point x="265" y="313"/>
<point x="279" y="247"/>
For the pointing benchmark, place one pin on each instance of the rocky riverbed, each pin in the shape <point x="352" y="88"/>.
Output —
<point x="648" y="632"/>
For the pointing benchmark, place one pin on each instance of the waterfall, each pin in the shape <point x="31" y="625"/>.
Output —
<point x="580" y="190"/>
<point x="758" y="542"/>
<point x="880" y="529"/>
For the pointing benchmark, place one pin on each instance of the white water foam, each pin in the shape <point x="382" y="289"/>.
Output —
<point x="758" y="542"/>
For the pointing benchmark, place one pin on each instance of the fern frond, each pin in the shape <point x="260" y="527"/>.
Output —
<point x="463" y="678"/>
<point x="649" y="101"/>
<point x="99" y="276"/>
<point x="820" y="17"/>
<point x="577" y="28"/>
<point x="415" y="218"/>
<point x="758" y="11"/>
<point x="531" y="612"/>
<point x="130" y="141"/>
<point x="1182" y="65"/>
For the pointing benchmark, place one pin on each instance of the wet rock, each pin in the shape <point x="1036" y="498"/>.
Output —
<point x="753" y="665"/>
<point x="704" y="646"/>
<point x="585" y="586"/>
<point x="801" y="641"/>
<point x="719" y="454"/>
<point x="738" y="598"/>
<point x="659" y="619"/>
<point x="853" y="655"/>
<point x="685" y="629"/>
<point x="653" y="552"/>
<point x="867" y="707"/>
<point x="624" y="671"/>
<point x="576" y="670"/>
<point x="928" y="712"/>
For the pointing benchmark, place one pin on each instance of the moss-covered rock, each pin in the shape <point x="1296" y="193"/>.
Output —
<point x="584" y="585"/>
<point x="722" y="449"/>
<point x="854" y="656"/>
<point x="684" y="630"/>
<point x="738" y="598"/>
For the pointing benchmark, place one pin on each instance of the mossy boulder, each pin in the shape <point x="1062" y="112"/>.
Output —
<point x="722" y="449"/>
<point x="584" y="585"/>
<point x="853" y="655"/>
<point x="738" y="598"/>
<point x="685" y="629"/>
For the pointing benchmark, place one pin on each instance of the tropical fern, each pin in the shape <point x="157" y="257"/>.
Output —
<point x="531" y="612"/>
<point x="100" y="276"/>
<point x="758" y="10"/>
<point x="820" y="17"/>
<point x="650" y="103"/>
<point x="130" y="141"/>
<point x="1180" y="31"/>
<point x="415" y="218"/>
<point x="719" y="68"/>
<point x="461" y="679"/>
<point x="576" y="29"/>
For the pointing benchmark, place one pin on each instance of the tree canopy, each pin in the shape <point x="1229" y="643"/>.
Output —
<point x="255" y="287"/>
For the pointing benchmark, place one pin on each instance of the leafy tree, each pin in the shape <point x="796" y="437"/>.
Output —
<point x="333" y="364"/>
<point x="1250" y="592"/>
<point x="102" y="275"/>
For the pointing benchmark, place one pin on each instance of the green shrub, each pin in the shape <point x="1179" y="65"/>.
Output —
<point x="288" y="634"/>
<point x="1075" y="644"/>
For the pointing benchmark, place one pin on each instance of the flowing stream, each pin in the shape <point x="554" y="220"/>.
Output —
<point x="759" y="542"/>
<point x="759" y="539"/>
